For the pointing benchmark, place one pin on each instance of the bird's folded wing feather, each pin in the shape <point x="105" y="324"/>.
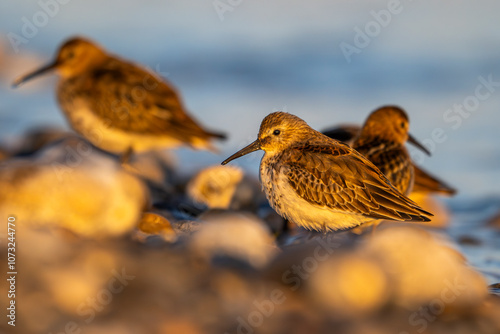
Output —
<point x="390" y="158"/>
<point x="426" y="182"/>
<point x="341" y="179"/>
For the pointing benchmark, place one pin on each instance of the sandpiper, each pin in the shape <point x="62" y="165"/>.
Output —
<point x="119" y="106"/>
<point x="382" y="140"/>
<point x="321" y="184"/>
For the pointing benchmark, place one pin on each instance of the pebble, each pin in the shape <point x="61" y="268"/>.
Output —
<point x="71" y="186"/>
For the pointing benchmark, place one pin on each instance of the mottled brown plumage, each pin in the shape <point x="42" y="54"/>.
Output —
<point x="382" y="140"/>
<point x="424" y="181"/>
<point x="118" y="105"/>
<point x="320" y="183"/>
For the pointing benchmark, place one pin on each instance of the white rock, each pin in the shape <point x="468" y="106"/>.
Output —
<point x="215" y="186"/>
<point x="237" y="235"/>
<point x="424" y="270"/>
<point x="73" y="186"/>
<point x="350" y="285"/>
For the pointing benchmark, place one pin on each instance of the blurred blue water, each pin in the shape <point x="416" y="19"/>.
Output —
<point x="286" y="55"/>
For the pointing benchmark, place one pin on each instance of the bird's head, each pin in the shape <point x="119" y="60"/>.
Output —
<point x="74" y="57"/>
<point x="390" y="123"/>
<point x="278" y="131"/>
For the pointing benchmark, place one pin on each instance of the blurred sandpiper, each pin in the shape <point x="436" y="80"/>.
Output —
<point x="321" y="184"/>
<point x="382" y="140"/>
<point x="119" y="106"/>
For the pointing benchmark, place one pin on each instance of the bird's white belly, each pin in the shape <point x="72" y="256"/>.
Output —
<point x="111" y="139"/>
<point x="301" y="212"/>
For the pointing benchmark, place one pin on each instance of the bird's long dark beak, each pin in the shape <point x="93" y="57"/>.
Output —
<point x="22" y="79"/>
<point x="413" y="141"/>
<point x="255" y="146"/>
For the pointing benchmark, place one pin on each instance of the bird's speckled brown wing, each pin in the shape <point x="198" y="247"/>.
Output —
<point x="423" y="180"/>
<point x="391" y="159"/>
<point x="337" y="177"/>
<point x="134" y="100"/>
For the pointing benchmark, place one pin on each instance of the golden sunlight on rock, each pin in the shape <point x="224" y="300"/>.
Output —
<point x="154" y="224"/>
<point x="215" y="186"/>
<point x="423" y="269"/>
<point x="350" y="286"/>
<point x="72" y="187"/>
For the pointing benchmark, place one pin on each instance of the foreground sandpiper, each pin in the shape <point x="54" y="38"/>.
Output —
<point x="321" y="184"/>
<point x="119" y="106"/>
<point x="382" y="140"/>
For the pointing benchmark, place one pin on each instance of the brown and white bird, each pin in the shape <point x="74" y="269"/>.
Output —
<point x="321" y="184"/>
<point x="382" y="140"/>
<point x="119" y="106"/>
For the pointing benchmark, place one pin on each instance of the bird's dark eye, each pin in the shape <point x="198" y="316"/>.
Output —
<point x="403" y="125"/>
<point x="71" y="54"/>
<point x="276" y="132"/>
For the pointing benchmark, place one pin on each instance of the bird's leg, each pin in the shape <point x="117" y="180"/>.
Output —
<point x="325" y="231"/>
<point x="125" y="157"/>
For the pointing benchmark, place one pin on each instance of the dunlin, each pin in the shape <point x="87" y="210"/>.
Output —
<point x="321" y="184"/>
<point x="119" y="106"/>
<point x="382" y="140"/>
<point x="383" y="144"/>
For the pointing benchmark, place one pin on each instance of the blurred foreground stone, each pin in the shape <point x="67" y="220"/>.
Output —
<point x="226" y="187"/>
<point x="423" y="269"/>
<point x="239" y="235"/>
<point x="215" y="186"/>
<point x="155" y="224"/>
<point x="73" y="186"/>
